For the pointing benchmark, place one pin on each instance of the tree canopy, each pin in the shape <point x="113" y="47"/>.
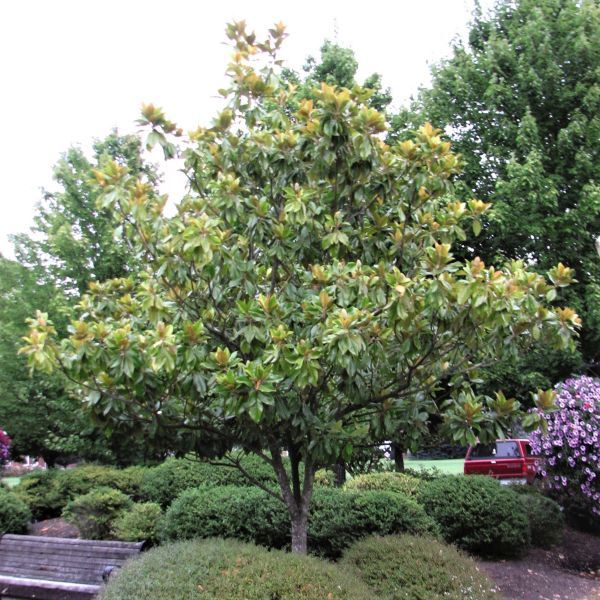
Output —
<point x="305" y="296"/>
<point x="520" y="99"/>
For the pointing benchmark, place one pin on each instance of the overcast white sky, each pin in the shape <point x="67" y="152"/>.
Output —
<point x="71" y="70"/>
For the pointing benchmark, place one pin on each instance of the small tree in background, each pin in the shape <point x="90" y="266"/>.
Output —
<point x="569" y="441"/>
<point x="304" y="298"/>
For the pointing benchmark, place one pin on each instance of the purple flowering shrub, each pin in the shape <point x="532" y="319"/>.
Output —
<point x="4" y="446"/>
<point x="570" y="447"/>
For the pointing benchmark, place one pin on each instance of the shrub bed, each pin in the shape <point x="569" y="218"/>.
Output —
<point x="477" y="514"/>
<point x="406" y="567"/>
<point x="48" y="492"/>
<point x="386" y="481"/>
<point x="93" y="513"/>
<point x="140" y="522"/>
<point x="232" y="570"/>
<point x="337" y="519"/>
<point x="14" y="513"/>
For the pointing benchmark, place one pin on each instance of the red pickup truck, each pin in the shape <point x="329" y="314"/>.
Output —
<point x="510" y="461"/>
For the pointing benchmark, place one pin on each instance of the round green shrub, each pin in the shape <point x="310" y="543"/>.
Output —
<point x="546" y="520"/>
<point x="38" y="491"/>
<point x="94" y="512"/>
<point x="14" y="513"/>
<point x="407" y="567"/>
<point x="139" y="523"/>
<point x="477" y="514"/>
<point x="217" y="569"/>
<point x="163" y="483"/>
<point x="386" y="481"/>
<point x="338" y="518"/>
<point x="324" y="478"/>
<point x="244" y="513"/>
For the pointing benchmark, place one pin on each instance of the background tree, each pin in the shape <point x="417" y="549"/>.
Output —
<point x="71" y="244"/>
<point x="520" y="100"/>
<point x="73" y="241"/>
<point x="338" y="67"/>
<point x="305" y="297"/>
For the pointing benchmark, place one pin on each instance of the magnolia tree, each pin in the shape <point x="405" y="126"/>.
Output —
<point x="304" y="299"/>
<point x="4" y="446"/>
<point x="570" y="444"/>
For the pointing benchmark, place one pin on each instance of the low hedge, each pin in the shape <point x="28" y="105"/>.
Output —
<point x="337" y="518"/>
<point x="93" y="513"/>
<point x="406" y="567"/>
<point x="216" y="569"/>
<point x="386" y="481"/>
<point x="14" y="513"/>
<point x="478" y="514"/>
<point x="163" y="483"/>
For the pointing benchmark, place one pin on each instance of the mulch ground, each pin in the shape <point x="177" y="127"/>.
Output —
<point x="54" y="528"/>
<point x="570" y="571"/>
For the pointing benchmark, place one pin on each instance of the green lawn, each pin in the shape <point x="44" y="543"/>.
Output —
<point x="452" y="466"/>
<point x="11" y="481"/>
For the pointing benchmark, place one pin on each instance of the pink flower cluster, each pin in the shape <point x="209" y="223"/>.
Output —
<point x="571" y="444"/>
<point x="4" y="445"/>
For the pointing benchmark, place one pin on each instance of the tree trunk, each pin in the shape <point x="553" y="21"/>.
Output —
<point x="397" y="451"/>
<point x="299" y="532"/>
<point x="340" y="473"/>
<point x="296" y="493"/>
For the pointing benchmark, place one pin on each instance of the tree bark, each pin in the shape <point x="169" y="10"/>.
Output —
<point x="397" y="451"/>
<point x="340" y="473"/>
<point x="300" y="532"/>
<point x="296" y="494"/>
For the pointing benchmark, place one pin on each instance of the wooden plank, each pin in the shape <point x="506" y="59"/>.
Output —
<point x="40" y="589"/>
<point x="55" y="571"/>
<point x="71" y="541"/>
<point x="55" y="559"/>
<point x="66" y="555"/>
<point x="57" y="549"/>
<point x="52" y="574"/>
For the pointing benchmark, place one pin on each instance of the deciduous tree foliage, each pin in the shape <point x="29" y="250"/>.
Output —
<point x="71" y="243"/>
<point x="521" y="101"/>
<point x="304" y="297"/>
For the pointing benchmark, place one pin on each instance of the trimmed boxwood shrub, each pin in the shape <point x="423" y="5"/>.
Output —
<point x="94" y="512"/>
<point x="386" y="481"/>
<point x="406" y="567"/>
<point x="546" y="520"/>
<point x="337" y="518"/>
<point x="216" y="569"/>
<point x="14" y="513"/>
<point x="245" y="513"/>
<point x="163" y="483"/>
<point x="477" y="514"/>
<point x="139" y="523"/>
<point x="37" y="490"/>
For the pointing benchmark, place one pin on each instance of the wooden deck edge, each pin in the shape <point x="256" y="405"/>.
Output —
<point x="42" y="589"/>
